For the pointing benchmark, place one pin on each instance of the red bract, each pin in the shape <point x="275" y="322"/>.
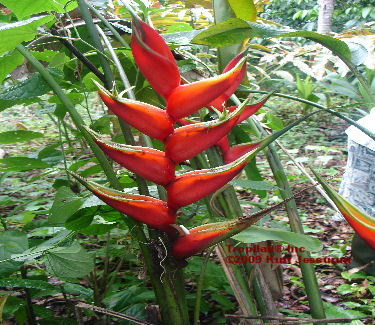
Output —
<point x="193" y="186"/>
<point x="188" y="141"/>
<point x="363" y="224"/>
<point x="154" y="59"/>
<point x="187" y="99"/>
<point x="150" y="211"/>
<point x="199" y="238"/>
<point x="148" y="163"/>
<point x="146" y="118"/>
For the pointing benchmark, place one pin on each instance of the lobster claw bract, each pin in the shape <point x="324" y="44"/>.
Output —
<point x="188" y="141"/>
<point x="363" y="224"/>
<point x="150" y="120"/>
<point x="150" y="211"/>
<point x="204" y="236"/>
<point x="222" y="98"/>
<point x="148" y="163"/>
<point x="187" y="99"/>
<point x="154" y="59"/>
<point x="193" y="186"/>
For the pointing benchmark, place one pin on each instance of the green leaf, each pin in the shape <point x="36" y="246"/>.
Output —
<point x="65" y="204"/>
<point x="25" y="8"/>
<point x="11" y="242"/>
<point x="235" y="30"/>
<point x="228" y="32"/>
<point x="50" y="155"/>
<point x="69" y="262"/>
<point x="9" y="62"/>
<point x="20" y="164"/>
<point x="34" y="86"/>
<point x="244" y="9"/>
<point x="18" y="136"/>
<point x="274" y="122"/>
<point x="22" y="31"/>
<point x="180" y="38"/>
<point x="26" y="283"/>
<point x="333" y="311"/>
<point x="255" y="234"/>
<point x="253" y="185"/>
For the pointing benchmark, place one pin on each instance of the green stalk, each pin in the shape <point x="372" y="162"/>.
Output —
<point x="108" y="25"/>
<point x="307" y="269"/>
<point x="97" y="44"/>
<point x="198" y="296"/>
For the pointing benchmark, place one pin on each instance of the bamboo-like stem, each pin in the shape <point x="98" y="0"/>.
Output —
<point x="108" y="25"/>
<point x="198" y="295"/>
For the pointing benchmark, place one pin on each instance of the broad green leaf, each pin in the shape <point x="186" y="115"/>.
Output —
<point x="18" y="136"/>
<point x="253" y="185"/>
<point x="256" y="234"/>
<point x="228" y="32"/>
<point x="69" y="262"/>
<point x="180" y="38"/>
<point x="9" y="62"/>
<point x="244" y="9"/>
<point x="22" y="31"/>
<point x="65" y="204"/>
<point x="11" y="242"/>
<point x="26" y="283"/>
<point x="34" y="86"/>
<point x="333" y="311"/>
<point x="20" y="164"/>
<point x="25" y="8"/>
<point x="4" y="104"/>
<point x="50" y="155"/>
<point x="93" y="207"/>
<point x="235" y="30"/>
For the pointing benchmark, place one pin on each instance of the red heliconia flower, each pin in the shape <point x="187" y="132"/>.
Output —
<point x="363" y="224"/>
<point x="188" y="141"/>
<point x="202" y="237"/>
<point x="148" y="163"/>
<point x="150" y="211"/>
<point x="154" y="59"/>
<point x="157" y="64"/>
<point x="146" y="118"/>
<point x="193" y="186"/>
<point x="187" y="99"/>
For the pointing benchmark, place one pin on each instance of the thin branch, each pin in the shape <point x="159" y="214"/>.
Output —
<point x="296" y="320"/>
<point x="79" y="55"/>
<point x="112" y="313"/>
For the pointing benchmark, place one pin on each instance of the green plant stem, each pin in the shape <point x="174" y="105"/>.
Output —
<point x="198" y="295"/>
<point x="108" y="25"/>
<point x="307" y="269"/>
<point x="95" y="41"/>
<point x="63" y="151"/>
<point x="29" y="305"/>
